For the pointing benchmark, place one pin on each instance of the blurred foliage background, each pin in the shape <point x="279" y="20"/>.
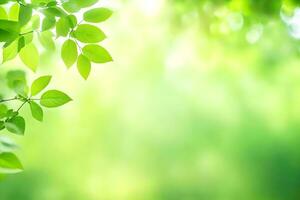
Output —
<point x="201" y="102"/>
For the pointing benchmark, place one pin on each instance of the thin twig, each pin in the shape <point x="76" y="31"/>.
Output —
<point x="6" y="100"/>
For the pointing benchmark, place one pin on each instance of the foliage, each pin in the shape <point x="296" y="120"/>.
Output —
<point x="22" y="23"/>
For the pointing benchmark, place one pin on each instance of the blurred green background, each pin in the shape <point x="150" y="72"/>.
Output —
<point x="200" y="103"/>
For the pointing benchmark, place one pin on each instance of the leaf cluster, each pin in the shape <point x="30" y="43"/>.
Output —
<point x="34" y="96"/>
<point x="25" y="25"/>
<point x="48" y="20"/>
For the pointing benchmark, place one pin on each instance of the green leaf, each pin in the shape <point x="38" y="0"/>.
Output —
<point x="71" y="7"/>
<point x="36" y="111"/>
<point x="16" y="125"/>
<point x="28" y="38"/>
<point x="6" y="36"/>
<point x="75" y="5"/>
<point x="24" y="15"/>
<point x="39" y="84"/>
<point x="35" y="22"/>
<point x="69" y="52"/>
<point x="97" y="15"/>
<point x="54" y="12"/>
<point x="10" y="26"/>
<point x="3" y="111"/>
<point x="15" y="75"/>
<point x="3" y="14"/>
<point x="21" y="43"/>
<point x="87" y="33"/>
<point x="30" y="56"/>
<point x="14" y="12"/>
<point x="46" y="39"/>
<point x="84" y="66"/>
<point x="51" y="3"/>
<point x="10" y="52"/>
<point x="72" y="21"/>
<point x="9" y="31"/>
<point x="7" y="144"/>
<point x="11" y="113"/>
<point x="62" y="27"/>
<point x="9" y="163"/>
<point x="20" y="88"/>
<point x="2" y="125"/>
<point x="85" y="3"/>
<point x="48" y="23"/>
<point x="4" y="1"/>
<point x="54" y="98"/>
<point x="96" y="53"/>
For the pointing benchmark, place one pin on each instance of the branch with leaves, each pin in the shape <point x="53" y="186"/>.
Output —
<point x="12" y="121"/>
<point x="24" y="24"/>
<point x="49" y="20"/>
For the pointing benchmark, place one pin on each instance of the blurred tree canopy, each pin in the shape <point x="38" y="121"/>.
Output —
<point x="247" y="7"/>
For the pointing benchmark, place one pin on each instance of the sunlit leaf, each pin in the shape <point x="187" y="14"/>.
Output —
<point x="16" y="125"/>
<point x="96" y="53"/>
<point x="69" y="52"/>
<point x="87" y="33"/>
<point x="30" y="56"/>
<point x="9" y="163"/>
<point x="36" y="111"/>
<point x="54" y="98"/>
<point x="97" y="15"/>
<point x="62" y="27"/>
<point x="39" y="84"/>
<point x="84" y="66"/>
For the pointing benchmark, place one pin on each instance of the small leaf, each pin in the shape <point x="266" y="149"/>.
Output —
<point x="24" y="15"/>
<point x="30" y="56"/>
<point x="15" y="75"/>
<point x="39" y="84"/>
<point x="96" y="53"/>
<point x="7" y="144"/>
<point x="20" y="88"/>
<point x="62" y="27"/>
<point x="71" y="7"/>
<point x="28" y="38"/>
<point x="21" y="43"/>
<point x="85" y="3"/>
<point x="84" y="66"/>
<point x="10" y="26"/>
<point x="16" y="125"/>
<point x="11" y="113"/>
<point x="54" y="98"/>
<point x="87" y="33"/>
<point x="52" y="3"/>
<point x="69" y="52"/>
<point x="10" y="52"/>
<point x="72" y="21"/>
<point x="36" y="111"/>
<point x="35" y="22"/>
<point x="2" y="125"/>
<point x="97" y="15"/>
<point x="14" y="12"/>
<point x="3" y="14"/>
<point x="3" y="111"/>
<point x="46" y="40"/>
<point x="54" y="12"/>
<point x="48" y="23"/>
<point x="9" y="163"/>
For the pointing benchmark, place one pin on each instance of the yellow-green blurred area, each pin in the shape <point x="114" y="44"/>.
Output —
<point x="202" y="102"/>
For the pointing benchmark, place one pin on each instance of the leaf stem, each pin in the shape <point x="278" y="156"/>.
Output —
<point x="6" y="100"/>
<point x="21" y="34"/>
<point x="27" y="100"/>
